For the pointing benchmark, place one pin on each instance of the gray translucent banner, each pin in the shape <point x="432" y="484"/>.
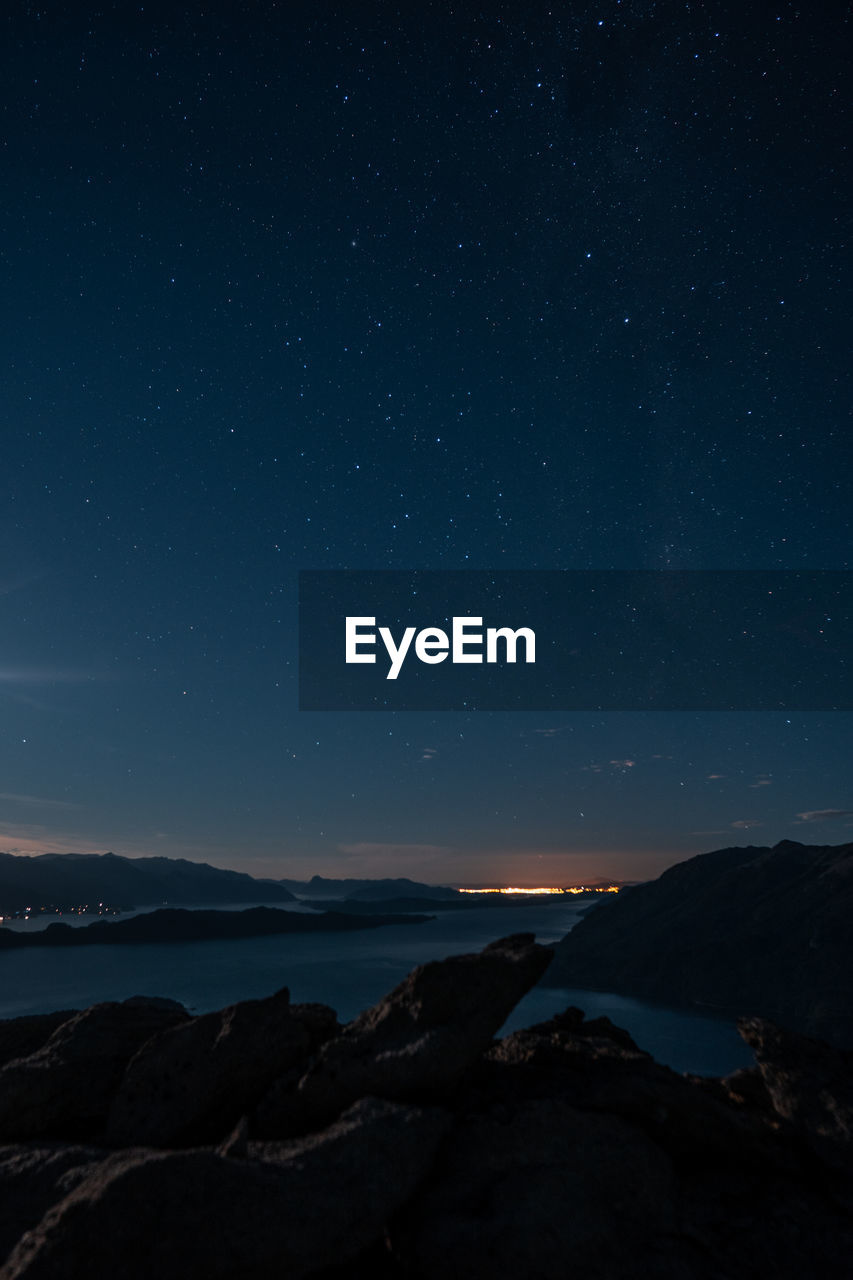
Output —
<point x="641" y="640"/>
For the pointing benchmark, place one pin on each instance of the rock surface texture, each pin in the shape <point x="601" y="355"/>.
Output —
<point x="194" y="1081"/>
<point x="265" y="1140"/>
<point x="417" y="1041"/>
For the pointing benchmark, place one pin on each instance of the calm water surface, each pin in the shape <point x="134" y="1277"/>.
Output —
<point x="348" y="971"/>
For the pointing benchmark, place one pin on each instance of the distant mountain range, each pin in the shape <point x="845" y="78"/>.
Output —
<point x="367" y="890"/>
<point x="765" y="931"/>
<point x="69" y="879"/>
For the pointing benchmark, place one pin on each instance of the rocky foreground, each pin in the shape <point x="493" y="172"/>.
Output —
<point x="265" y="1140"/>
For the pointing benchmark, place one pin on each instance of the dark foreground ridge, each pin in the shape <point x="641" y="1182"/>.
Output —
<point x="265" y="1140"/>
<point x="740" y="931"/>
<point x="181" y="925"/>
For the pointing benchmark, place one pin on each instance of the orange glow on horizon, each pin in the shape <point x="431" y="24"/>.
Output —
<point x="579" y="888"/>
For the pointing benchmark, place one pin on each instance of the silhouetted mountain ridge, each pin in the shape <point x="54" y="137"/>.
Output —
<point x="746" y="931"/>
<point x="371" y="890"/>
<point x="72" y="878"/>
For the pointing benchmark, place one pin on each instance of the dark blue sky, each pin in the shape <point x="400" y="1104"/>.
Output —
<point x="324" y="286"/>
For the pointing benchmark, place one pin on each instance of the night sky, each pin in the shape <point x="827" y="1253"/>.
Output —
<point x="309" y="286"/>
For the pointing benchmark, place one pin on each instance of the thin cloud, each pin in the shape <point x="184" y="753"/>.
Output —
<point x="39" y="802"/>
<point x="369" y="849"/>
<point x="8" y="585"/>
<point x="825" y="815"/>
<point x="621" y="765"/>
<point x="743" y="824"/>
<point x="49" y="675"/>
<point x="31" y="840"/>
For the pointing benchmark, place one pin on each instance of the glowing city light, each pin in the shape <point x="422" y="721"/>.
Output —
<point x="577" y="888"/>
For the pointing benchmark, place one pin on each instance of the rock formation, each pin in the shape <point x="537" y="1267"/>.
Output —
<point x="193" y="1082"/>
<point x="415" y="1042"/>
<point x="64" y="1088"/>
<point x="264" y="1141"/>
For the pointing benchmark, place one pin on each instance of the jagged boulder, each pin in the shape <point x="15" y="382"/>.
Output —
<point x="284" y="1210"/>
<point x="809" y="1082"/>
<point x="416" y="1042"/>
<point x="560" y="1149"/>
<point x="575" y="1154"/>
<point x="540" y="1188"/>
<point x="601" y="1069"/>
<point x="192" y="1082"/>
<point x="65" y="1088"/>
<point x="19" y="1037"/>
<point x="35" y="1177"/>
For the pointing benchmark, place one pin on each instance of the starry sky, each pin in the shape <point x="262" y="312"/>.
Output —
<point x="324" y="286"/>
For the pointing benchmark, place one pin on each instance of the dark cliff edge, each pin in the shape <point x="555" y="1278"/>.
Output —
<point x="181" y="925"/>
<point x="763" y="931"/>
<point x="265" y="1140"/>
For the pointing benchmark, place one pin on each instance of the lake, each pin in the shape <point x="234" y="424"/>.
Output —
<point x="349" y="971"/>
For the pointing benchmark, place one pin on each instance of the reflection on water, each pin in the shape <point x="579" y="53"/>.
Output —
<point x="348" y="971"/>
